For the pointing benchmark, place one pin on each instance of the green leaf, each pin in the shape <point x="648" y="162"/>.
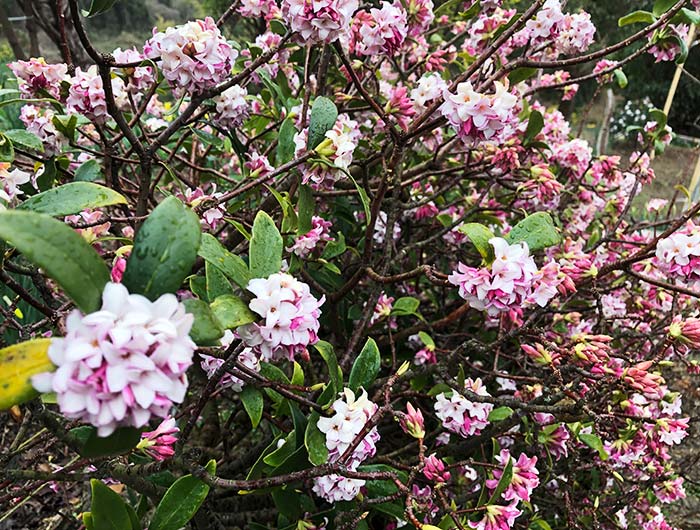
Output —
<point x="535" y="123"/>
<point x="107" y="509"/>
<point x="690" y="16"/>
<point x="500" y="414"/>
<point x="661" y="6"/>
<point x="165" y="250"/>
<point x="25" y="139"/>
<point x="635" y="17"/>
<point x="366" y="367"/>
<point x="594" y="442"/>
<point x="279" y="455"/>
<point x="66" y="126"/>
<point x="215" y="282"/>
<point x="285" y="142"/>
<point x="503" y="483"/>
<point x="180" y="503"/>
<point x="61" y="252"/>
<point x="334" y="371"/>
<point x="90" y="445"/>
<point x="265" y="247"/>
<point x="7" y="152"/>
<point x="212" y="251"/>
<point x="364" y="198"/>
<point x="72" y="198"/>
<point x="537" y="230"/>
<point x="621" y="78"/>
<point x="406" y="305"/>
<point x="231" y="311"/>
<point x="521" y="74"/>
<point x="315" y="441"/>
<point x="683" y="55"/>
<point x="253" y="402"/>
<point x="659" y="117"/>
<point x="323" y="116"/>
<point x="89" y="171"/>
<point x="135" y="524"/>
<point x="206" y="329"/>
<point x="479" y="235"/>
<point x="305" y="206"/>
<point x="99" y="6"/>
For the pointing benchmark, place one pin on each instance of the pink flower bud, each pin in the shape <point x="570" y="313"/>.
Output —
<point x="436" y="470"/>
<point x="412" y="422"/>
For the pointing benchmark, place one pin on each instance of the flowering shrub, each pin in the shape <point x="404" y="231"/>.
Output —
<point x="349" y="273"/>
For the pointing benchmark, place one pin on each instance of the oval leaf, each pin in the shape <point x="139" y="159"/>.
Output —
<point x="206" y="330"/>
<point x="479" y="235"/>
<point x="231" y="311"/>
<point x="537" y="230"/>
<point x="323" y="116"/>
<point x="25" y="139"/>
<point x="107" y="509"/>
<point x="164" y="251"/>
<point x="366" y="367"/>
<point x="18" y="363"/>
<point x="72" y="198"/>
<point x="265" y="247"/>
<point x="90" y="445"/>
<point x="231" y="265"/>
<point x="60" y="252"/>
<point x="179" y="504"/>
<point x="253" y="403"/>
<point x="315" y="441"/>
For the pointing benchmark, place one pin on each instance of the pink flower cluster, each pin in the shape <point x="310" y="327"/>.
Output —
<point x="306" y="243"/>
<point x="289" y="317"/>
<point x="351" y="414"/>
<point x="86" y="94"/>
<point x="158" y="444"/>
<point x="379" y="31"/>
<point x="123" y="363"/>
<point x="39" y="121"/>
<point x="319" y="20"/>
<point x="231" y="107"/>
<point x="497" y="517"/>
<point x="462" y="416"/>
<point x="478" y="116"/>
<point x="36" y="75"/>
<point x="194" y="56"/>
<point x="576" y="33"/>
<point x="420" y="16"/>
<point x="212" y="216"/>
<point x="138" y="78"/>
<point x="525" y="476"/>
<point x="211" y="364"/>
<point x="512" y="280"/>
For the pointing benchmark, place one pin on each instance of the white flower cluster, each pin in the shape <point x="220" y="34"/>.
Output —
<point x="289" y="317"/>
<point x="119" y="365"/>
<point x="231" y="107"/>
<point x="350" y="416"/>
<point x="462" y="416"/>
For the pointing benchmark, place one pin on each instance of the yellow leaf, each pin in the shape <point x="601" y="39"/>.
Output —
<point x="18" y="363"/>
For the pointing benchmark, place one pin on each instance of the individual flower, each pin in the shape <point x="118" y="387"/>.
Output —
<point x="194" y="56"/>
<point x="289" y="314"/>
<point x="10" y="181"/>
<point x="122" y="364"/>
<point x="319" y="20"/>
<point x="158" y="444"/>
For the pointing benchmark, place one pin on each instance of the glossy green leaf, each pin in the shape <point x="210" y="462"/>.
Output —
<point x="621" y="78"/>
<point x="594" y="442"/>
<point x="165" y="250"/>
<point x="306" y="209"/>
<point x="7" y="152"/>
<point x="521" y="74"/>
<point x="61" y="252"/>
<point x="215" y="282"/>
<point x="503" y="483"/>
<point x="479" y="235"/>
<point x="72" y="198"/>
<point x="253" y="403"/>
<point x="212" y="251"/>
<point x="285" y="142"/>
<point x="366" y="367"/>
<point x="266" y="247"/>
<point x="636" y="17"/>
<point x="406" y="305"/>
<point x="661" y="6"/>
<point x="315" y="441"/>
<point x="500" y="414"/>
<point x="65" y="124"/>
<point x="180" y="503"/>
<point x="107" y="509"/>
<point x="207" y="329"/>
<point x="336" y="375"/>
<point x="323" y="116"/>
<point x="537" y="230"/>
<point x="89" y="171"/>
<point x="231" y="311"/>
<point x="25" y="139"/>
<point x="99" y="6"/>
<point x="535" y="123"/>
<point x="90" y="445"/>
